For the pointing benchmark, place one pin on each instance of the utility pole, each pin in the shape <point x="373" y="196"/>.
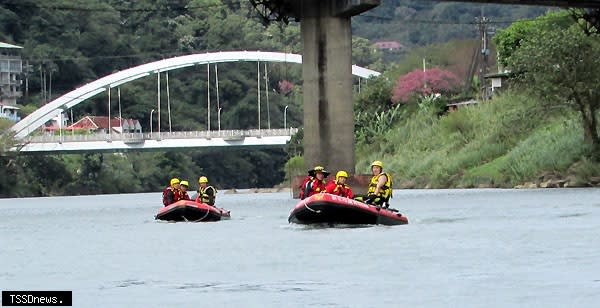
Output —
<point x="484" y="53"/>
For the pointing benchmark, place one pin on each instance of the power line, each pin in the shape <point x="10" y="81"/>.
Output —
<point x="62" y="7"/>
<point x="454" y="22"/>
<point x="136" y="55"/>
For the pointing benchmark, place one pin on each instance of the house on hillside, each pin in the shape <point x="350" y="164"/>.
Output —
<point x="98" y="124"/>
<point x="9" y="112"/>
<point x="497" y="82"/>
<point x="389" y="45"/>
<point x="11" y="68"/>
<point x="55" y="124"/>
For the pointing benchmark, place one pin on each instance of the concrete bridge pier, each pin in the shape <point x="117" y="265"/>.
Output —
<point x="326" y="69"/>
<point x="327" y="74"/>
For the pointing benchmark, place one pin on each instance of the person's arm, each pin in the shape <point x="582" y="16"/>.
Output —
<point x="350" y="193"/>
<point x="307" y="188"/>
<point x="211" y="196"/>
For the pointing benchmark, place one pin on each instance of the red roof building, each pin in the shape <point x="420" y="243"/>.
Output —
<point x="389" y="45"/>
<point x="101" y="124"/>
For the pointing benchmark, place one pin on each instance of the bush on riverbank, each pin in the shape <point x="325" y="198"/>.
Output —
<point x="500" y="143"/>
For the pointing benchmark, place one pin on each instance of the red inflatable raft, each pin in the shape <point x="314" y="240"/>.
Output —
<point x="185" y="210"/>
<point x="332" y="209"/>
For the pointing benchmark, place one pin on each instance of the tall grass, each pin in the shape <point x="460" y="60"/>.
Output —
<point x="550" y="148"/>
<point x="502" y="142"/>
<point x="294" y="167"/>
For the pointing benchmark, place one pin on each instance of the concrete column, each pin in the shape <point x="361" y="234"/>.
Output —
<point x="327" y="74"/>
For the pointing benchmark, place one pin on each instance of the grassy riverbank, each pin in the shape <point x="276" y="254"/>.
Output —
<point x="506" y="142"/>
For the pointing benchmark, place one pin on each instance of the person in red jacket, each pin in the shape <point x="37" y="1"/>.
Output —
<point x="339" y="186"/>
<point x="171" y="193"/>
<point x="183" y="187"/>
<point x="316" y="182"/>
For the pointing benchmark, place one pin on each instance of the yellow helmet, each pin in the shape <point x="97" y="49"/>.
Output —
<point x="377" y="163"/>
<point x="174" y="181"/>
<point x="185" y="183"/>
<point x="341" y="173"/>
<point x="203" y="179"/>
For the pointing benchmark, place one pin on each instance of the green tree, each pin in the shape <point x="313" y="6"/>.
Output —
<point x="510" y="39"/>
<point x="375" y="95"/>
<point x="7" y="160"/>
<point x="365" y="54"/>
<point x="562" y="65"/>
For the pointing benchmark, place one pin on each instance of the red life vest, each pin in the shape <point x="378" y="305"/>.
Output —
<point x="316" y="187"/>
<point x="342" y="190"/>
<point x="176" y="195"/>
<point x="184" y="195"/>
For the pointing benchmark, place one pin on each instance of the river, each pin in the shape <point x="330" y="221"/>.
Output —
<point x="462" y="248"/>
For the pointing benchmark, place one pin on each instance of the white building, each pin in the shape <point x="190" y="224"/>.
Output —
<point x="11" y="68"/>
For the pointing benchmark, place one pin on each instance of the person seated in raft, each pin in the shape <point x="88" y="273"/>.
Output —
<point x="380" y="187"/>
<point x="315" y="182"/>
<point x="205" y="194"/>
<point x="339" y="186"/>
<point x="302" y="187"/>
<point x="171" y="193"/>
<point x="183" y="187"/>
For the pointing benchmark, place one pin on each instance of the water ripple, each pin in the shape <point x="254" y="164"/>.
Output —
<point x="124" y="284"/>
<point x="573" y="215"/>
<point x="277" y="287"/>
<point x="442" y="220"/>
<point x="194" y="285"/>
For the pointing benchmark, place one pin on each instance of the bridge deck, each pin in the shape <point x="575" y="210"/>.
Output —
<point x="156" y="141"/>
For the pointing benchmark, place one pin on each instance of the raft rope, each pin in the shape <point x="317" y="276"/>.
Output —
<point x="207" y="211"/>
<point x="308" y="207"/>
<point x="197" y="220"/>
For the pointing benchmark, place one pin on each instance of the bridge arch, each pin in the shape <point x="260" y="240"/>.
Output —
<point x="40" y="116"/>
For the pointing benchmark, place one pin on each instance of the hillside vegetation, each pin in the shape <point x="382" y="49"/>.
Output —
<point x="544" y="131"/>
<point x="504" y="142"/>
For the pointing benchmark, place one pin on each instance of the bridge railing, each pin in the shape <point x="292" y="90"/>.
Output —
<point x="141" y="137"/>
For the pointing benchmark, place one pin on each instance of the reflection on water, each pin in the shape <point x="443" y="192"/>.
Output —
<point x="518" y="247"/>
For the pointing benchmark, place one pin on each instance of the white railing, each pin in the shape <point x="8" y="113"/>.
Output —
<point x="141" y="137"/>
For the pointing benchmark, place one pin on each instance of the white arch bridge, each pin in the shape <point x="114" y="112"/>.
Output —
<point x="31" y="123"/>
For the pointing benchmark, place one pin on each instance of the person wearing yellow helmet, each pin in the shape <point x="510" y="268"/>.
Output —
<point x="171" y="193"/>
<point x="183" y="187"/>
<point x="314" y="183"/>
<point x="380" y="187"/>
<point x="339" y="186"/>
<point x="205" y="193"/>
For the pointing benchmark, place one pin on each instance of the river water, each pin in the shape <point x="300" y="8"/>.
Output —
<point x="462" y="248"/>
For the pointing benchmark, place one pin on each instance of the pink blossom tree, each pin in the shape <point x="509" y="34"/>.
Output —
<point x="285" y="87"/>
<point x="419" y="83"/>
